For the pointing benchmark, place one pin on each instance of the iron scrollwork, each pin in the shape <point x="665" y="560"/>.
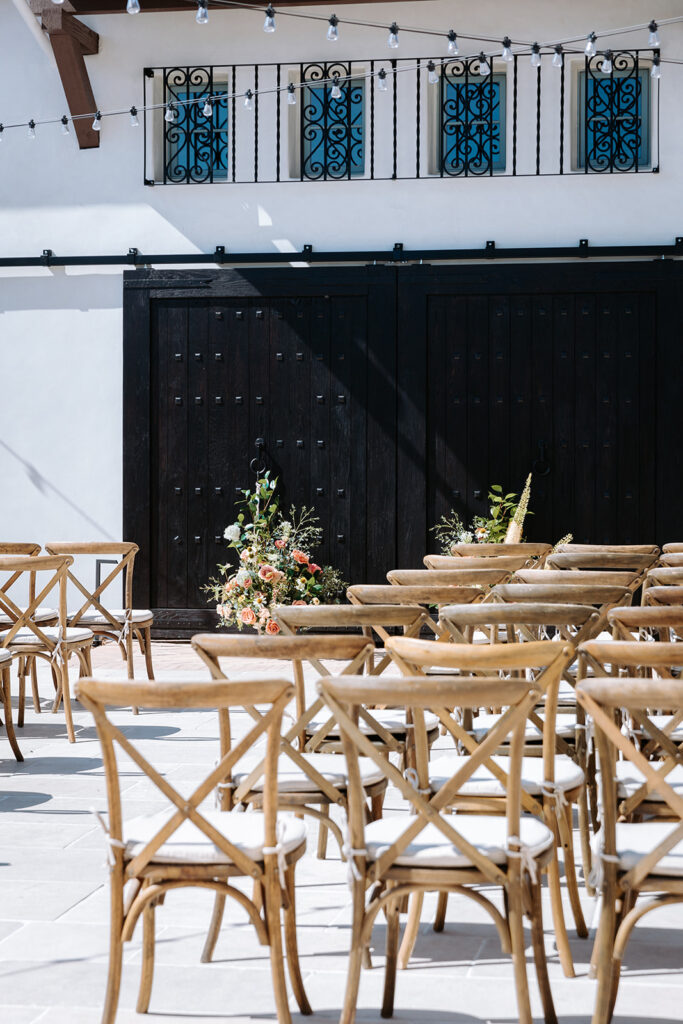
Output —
<point x="613" y="136"/>
<point x="470" y="119"/>
<point x="331" y="145"/>
<point x="195" y="146"/>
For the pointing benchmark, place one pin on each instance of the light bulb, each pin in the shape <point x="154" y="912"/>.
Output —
<point x="590" y="50"/>
<point x="133" y="6"/>
<point x="507" y="50"/>
<point x="656" y="67"/>
<point x="134" y="123"/>
<point x="382" y="80"/>
<point x="202" y="15"/>
<point x="291" y="95"/>
<point x="484" y="66"/>
<point x="58" y="2"/>
<point x="97" y="123"/>
<point x="333" y="31"/>
<point x="392" y="41"/>
<point x="65" y="125"/>
<point x="170" y="113"/>
<point x="248" y="100"/>
<point x="535" y="56"/>
<point x="653" y="38"/>
<point x="336" y="93"/>
<point x="32" y="129"/>
<point x="2" y="128"/>
<point x="606" y="66"/>
<point x="269" y="23"/>
<point x="433" y="74"/>
<point x="557" y="57"/>
<point x="453" y="43"/>
<point x="207" y="109"/>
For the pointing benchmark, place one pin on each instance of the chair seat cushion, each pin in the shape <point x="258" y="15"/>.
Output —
<point x="39" y="615"/>
<point x="26" y="635"/>
<point x="635" y="839"/>
<point x="94" y="618"/>
<point x="431" y="849"/>
<point x="483" y="783"/>
<point x="661" y="721"/>
<point x="4" y="656"/>
<point x="565" y="726"/>
<point x="631" y="779"/>
<point x="391" y="719"/>
<point x="190" y="845"/>
<point x="292" y="779"/>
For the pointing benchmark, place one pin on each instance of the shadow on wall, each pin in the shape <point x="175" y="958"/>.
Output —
<point x="47" y="488"/>
<point x="55" y="289"/>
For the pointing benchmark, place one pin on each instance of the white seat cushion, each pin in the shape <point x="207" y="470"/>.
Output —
<point x="565" y="725"/>
<point x="190" y="845"/>
<point x="291" y="778"/>
<point x="4" y="656"/>
<point x="631" y="779"/>
<point x="661" y="721"/>
<point x="391" y="719"/>
<point x="483" y="783"/>
<point x="635" y="839"/>
<point x="94" y="618"/>
<point x="26" y="635"/>
<point x="431" y="848"/>
<point x="39" y="615"/>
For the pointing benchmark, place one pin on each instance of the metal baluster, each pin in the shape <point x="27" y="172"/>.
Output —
<point x="277" y="126"/>
<point x="395" y="169"/>
<point x="514" y="117"/>
<point x="538" y="119"/>
<point x="234" y="121"/>
<point x="372" y="120"/>
<point x="301" y="122"/>
<point x="562" y="117"/>
<point x="585" y="115"/>
<point x="214" y="138"/>
<point x="638" y="120"/>
<point x="255" y="122"/>
<point x="349" y="124"/>
<point x="417" y="117"/>
<point x="466" y="148"/>
<point x="491" y="97"/>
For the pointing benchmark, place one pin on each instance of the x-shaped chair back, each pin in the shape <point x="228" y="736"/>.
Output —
<point x="353" y="650"/>
<point x="449" y="577"/>
<point x="425" y="595"/>
<point x="19" y="549"/>
<point x="126" y="552"/>
<point x="544" y="660"/>
<point x="419" y="694"/>
<point x="12" y="569"/>
<point x="534" y="553"/>
<point x="510" y="563"/>
<point x="602" y="597"/>
<point x="604" y="699"/>
<point x="372" y="619"/>
<point x="271" y="695"/>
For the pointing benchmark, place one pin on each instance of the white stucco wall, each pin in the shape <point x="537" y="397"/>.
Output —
<point x="60" y="331"/>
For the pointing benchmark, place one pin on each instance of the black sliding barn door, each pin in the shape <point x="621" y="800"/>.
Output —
<point x="385" y="396"/>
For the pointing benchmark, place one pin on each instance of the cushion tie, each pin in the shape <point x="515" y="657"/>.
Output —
<point x="411" y="776"/>
<point x="57" y="657"/>
<point x="111" y="842"/>
<point x="587" y="727"/>
<point x="353" y="873"/>
<point x="125" y="629"/>
<point x="554" y="791"/>
<point x="279" y="851"/>
<point x="597" y="873"/>
<point x="522" y="852"/>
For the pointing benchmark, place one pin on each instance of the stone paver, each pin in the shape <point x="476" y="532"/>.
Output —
<point x="54" y="906"/>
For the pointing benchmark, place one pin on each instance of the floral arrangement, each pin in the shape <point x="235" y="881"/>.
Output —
<point x="503" y="524"/>
<point x="274" y="562"/>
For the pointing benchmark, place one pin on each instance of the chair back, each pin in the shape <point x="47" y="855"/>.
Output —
<point x="663" y="595"/>
<point x="636" y="549"/>
<point x="425" y="595"/>
<point x="94" y="599"/>
<point x="632" y="561"/>
<point x="449" y="577"/>
<point x="580" y="577"/>
<point x="19" y="548"/>
<point x="418" y="695"/>
<point x="508" y="562"/>
<point x="271" y="696"/>
<point x="532" y="552"/>
<point x="675" y="548"/>
<point x="523" y="621"/>
<point x="47" y="574"/>
<point x="672" y="561"/>
<point x="665" y="576"/>
<point x="646" y="622"/>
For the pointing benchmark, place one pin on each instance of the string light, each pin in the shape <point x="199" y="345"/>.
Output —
<point x="2" y="128"/>
<point x="133" y="6"/>
<point x="653" y="38"/>
<point x="269" y="23"/>
<point x="291" y="95"/>
<point x="392" y="41"/>
<point x="382" y="80"/>
<point x="134" y="123"/>
<point x="590" y="50"/>
<point x="97" y="123"/>
<point x="248" y="99"/>
<point x="333" y="30"/>
<point x="336" y="93"/>
<point x="484" y="66"/>
<point x="170" y="114"/>
<point x="656" y="67"/>
<point x="32" y="129"/>
<point x="535" y="56"/>
<point x="207" y="109"/>
<point x="453" y="43"/>
<point x="202" y="15"/>
<point x="507" y="50"/>
<point x="65" y="125"/>
<point x="58" y="2"/>
<point x="557" y="56"/>
<point x="606" y="66"/>
<point x="433" y="74"/>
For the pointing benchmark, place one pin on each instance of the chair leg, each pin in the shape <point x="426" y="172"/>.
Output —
<point x="376" y="807"/>
<point x="561" y="937"/>
<point x="602" y="957"/>
<point x="565" y="825"/>
<point x="348" y="1014"/>
<point x="391" y="950"/>
<point x="411" y="929"/>
<point x="536" y="915"/>
<point x="291" y="946"/>
<point x="129" y="655"/>
<point x="516" y="926"/>
<point x="111" y="1000"/>
<point x="214" y="928"/>
<point x="584" y="832"/>
<point x="34" y="685"/>
<point x="323" y="833"/>
<point x="67" y="701"/>
<point x="22" y="691"/>
<point x="440" y="916"/>
<point x="148" y="652"/>
<point x="147" y="971"/>
<point x="273" y="901"/>
<point x="7" y="703"/>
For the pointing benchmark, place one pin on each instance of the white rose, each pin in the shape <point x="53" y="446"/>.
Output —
<point x="233" y="533"/>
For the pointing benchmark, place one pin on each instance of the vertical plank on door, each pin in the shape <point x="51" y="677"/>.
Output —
<point x="379" y="507"/>
<point x="521" y="400"/>
<point x="325" y="462"/>
<point x="628" y="455"/>
<point x="542" y="441"/>
<point x="198" y="454"/>
<point x="478" y="439"/>
<point x="173" y="480"/>
<point x="655" y="413"/>
<point x="499" y="398"/>
<point x="562" y="455"/>
<point x="584" y="370"/>
<point x="606" y="419"/>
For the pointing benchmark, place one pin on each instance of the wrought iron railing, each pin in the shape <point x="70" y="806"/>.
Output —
<point x="336" y="120"/>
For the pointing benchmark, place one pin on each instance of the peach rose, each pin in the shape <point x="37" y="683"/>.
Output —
<point x="312" y="567"/>
<point x="272" y="627"/>
<point x="246" y="582"/>
<point x="295" y="603"/>
<point x="247" y="616"/>
<point x="245" y="555"/>
<point x="280" y="544"/>
<point x="299" y="557"/>
<point x="266" y="572"/>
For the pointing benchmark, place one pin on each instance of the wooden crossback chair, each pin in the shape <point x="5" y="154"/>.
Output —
<point x="663" y="596"/>
<point x="534" y="552"/>
<point x="122" y="625"/>
<point x="603" y="597"/>
<point x="673" y="560"/>
<point x="427" y="596"/>
<point x="27" y="639"/>
<point x="607" y="559"/>
<point x="646" y="622"/>
<point x="432" y="850"/>
<point x="636" y="549"/>
<point x="662" y="576"/>
<point x="674" y="548"/>
<point x="5" y="663"/>
<point x="580" y="577"/>
<point x="550" y="785"/>
<point x="449" y="577"/>
<point x="187" y="845"/>
<point x="635" y="857"/>
<point x="508" y="562"/>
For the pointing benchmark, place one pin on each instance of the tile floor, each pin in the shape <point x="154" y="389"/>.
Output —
<point x="54" y="910"/>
